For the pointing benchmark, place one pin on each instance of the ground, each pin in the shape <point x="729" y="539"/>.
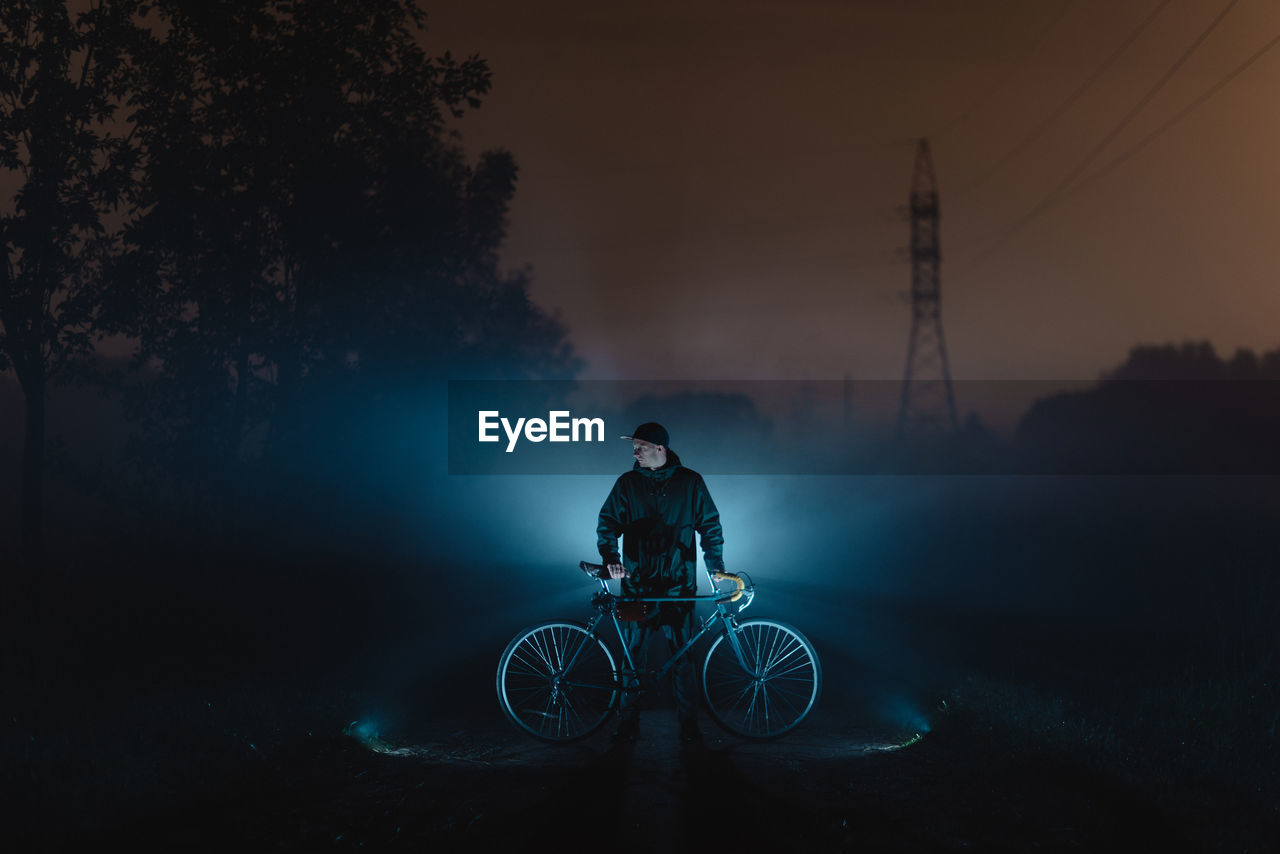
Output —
<point x="827" y="786"/>
<point x="174" y="720"/>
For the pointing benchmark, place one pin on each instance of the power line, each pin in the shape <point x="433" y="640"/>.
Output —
<point x="1064" y="190"/>
<point x="1066" y="104"/>
<point x="1130" y="115"/>
<point x="1178" y="117"/>
<point x="981" y="100"/>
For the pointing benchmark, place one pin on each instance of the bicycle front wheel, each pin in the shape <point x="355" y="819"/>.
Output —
<point x="557" y="681"/>
<point x="767" y="691"/>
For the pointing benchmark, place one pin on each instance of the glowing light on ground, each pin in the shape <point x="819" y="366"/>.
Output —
<point x="367" y="735"/>
<point x="883" y="748"/>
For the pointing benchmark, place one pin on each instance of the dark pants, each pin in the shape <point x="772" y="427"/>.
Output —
<point x="676" y="625"/>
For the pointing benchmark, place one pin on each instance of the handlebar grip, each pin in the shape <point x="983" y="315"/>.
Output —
<point x="739" y="585"/>
<point x="595" y="570"/>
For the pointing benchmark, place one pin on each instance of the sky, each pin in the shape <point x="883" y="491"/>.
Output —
<point x="714" y="190"/>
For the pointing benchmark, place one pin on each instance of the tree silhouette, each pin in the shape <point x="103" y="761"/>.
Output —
<point x="1165" y="410"/>
<point x="1191" y="361"/>
<point x="63" y="79"/>
<point x="310" y="230"/>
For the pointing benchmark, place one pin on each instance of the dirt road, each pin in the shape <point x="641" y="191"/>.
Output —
<point x="824" y="788"/>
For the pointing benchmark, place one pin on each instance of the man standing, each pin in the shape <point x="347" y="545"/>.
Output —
<point x="656" y="508"/>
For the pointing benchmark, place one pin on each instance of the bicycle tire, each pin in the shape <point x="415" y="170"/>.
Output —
<point x="540" y="698"/>
<point x="776" y="692"/>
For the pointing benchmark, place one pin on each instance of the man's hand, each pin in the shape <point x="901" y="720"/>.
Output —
<point x="616" y="570"/>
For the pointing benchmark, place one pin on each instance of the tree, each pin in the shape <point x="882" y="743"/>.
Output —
<point x="63" y="80"/>
<point x="310" y="228"/>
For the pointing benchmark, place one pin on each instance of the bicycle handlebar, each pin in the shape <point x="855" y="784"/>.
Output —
<point x="595" y="570"/>
<point x="599" y="572"/>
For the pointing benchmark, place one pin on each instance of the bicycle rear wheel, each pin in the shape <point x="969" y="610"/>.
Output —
<point x="778" y="687"/>
<point x="557" y="681"/>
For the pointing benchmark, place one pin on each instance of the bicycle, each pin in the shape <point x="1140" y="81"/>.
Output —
<point x="558" y="681"/>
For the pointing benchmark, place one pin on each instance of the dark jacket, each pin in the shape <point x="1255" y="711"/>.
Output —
<point x="657" y="512"/>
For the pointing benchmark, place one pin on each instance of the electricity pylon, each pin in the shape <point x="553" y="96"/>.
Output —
<point x="928" y="404"/>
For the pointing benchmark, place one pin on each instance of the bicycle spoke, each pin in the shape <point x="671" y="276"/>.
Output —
<point x="781" y="698"/>
<point x="571" y="646"/>
<point x="557" y="644"/>
<point x="595" y="686"/>
<point x="780" y="654"/>
<point x="730" y="676"/>
<point x="764" y="693"/>
<point x="524" y="671"/>
<point x="549" y="644"/>
<point x="765" y="687"/>
<point x="569" y="705"/>
<point x="743" y="693"/>
<point x="536" y="695"/>
<point x="751" y="707"/>
<point x="765" y="646"/>
<point x="787" y="691"/>
<point x="781" y="649"/>
<point x="729" y="680"/>
<point x="746" y="684"/>
<point x="799" y="667"/>
<point x="539" y="647"/>
<point x="533" y="666"/>
<point x="554" y="648"/>
<point x="524" y="706"/>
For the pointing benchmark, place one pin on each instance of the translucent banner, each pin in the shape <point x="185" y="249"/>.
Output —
<point x="871" y="426"/>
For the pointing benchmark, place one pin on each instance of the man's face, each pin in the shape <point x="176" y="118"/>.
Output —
<point x="649" y="455"/>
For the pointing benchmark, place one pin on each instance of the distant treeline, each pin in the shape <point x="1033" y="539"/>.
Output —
<point x="1165" y="410"/>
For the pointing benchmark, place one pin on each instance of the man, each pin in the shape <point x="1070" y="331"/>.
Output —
<point x="656" y="508"/>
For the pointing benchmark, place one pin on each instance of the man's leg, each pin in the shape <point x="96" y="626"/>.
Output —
<point x="683" y="688"/>
<point x="636" y="636"/>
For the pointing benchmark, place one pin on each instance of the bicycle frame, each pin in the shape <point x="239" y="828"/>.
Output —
<point x="606" y="603"/>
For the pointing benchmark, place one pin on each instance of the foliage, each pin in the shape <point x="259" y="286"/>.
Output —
<point x="309" y="230"/>
<point x="64" y="79"/>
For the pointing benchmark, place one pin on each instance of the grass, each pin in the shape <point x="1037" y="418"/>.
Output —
<point x="132" y="692"/>
<point x="1193" y="729"/>
<point x="136" y="693"/>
